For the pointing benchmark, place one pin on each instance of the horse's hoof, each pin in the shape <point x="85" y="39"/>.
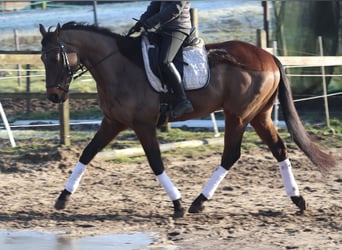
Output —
<point x="62" y="200"/>
<point x="197" y="206"/>
<point x="60" y="204"/>
<point x="179" y="211"/>
<point x="300" y="203"/>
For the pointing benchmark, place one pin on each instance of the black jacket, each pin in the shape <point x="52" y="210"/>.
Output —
<point x="168" y="15"/>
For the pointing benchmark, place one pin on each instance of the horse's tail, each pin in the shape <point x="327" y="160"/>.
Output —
<point x="325" y="162"/>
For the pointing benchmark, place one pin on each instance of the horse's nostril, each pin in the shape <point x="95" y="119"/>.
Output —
<point x="54" y="98"/>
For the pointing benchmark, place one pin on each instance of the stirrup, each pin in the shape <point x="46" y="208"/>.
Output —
<point x="181" y="108"/>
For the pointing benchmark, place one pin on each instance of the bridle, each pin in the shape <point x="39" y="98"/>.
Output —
<point x="71" y="70"/>
<point x="65" y="64"/>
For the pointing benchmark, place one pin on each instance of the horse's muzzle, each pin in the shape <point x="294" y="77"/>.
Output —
<point x="56" y="96"/>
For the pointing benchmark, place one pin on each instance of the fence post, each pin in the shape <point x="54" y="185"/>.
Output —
<point x="28" y="88"/>
<point x="266" y="22"/>
<point x="261" y="39"/>
<point x="95" y="13"/>
<point x="17" y="47"/>
<point x="7" y="126"/>
<point x="324" y="84"/>
<point x="64" y="117"/>
<point x="213" y="120"/>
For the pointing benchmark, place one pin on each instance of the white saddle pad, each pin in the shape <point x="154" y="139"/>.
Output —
<point x="196" y="72"/>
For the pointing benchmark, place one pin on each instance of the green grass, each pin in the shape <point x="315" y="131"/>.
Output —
<point x="336" y="124"/>
<point x="43" y="144"/>
<point x="89" y="114"/>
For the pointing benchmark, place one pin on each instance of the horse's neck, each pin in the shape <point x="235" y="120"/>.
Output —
<point x="91" y="46"/>
<point x="106" y="57"/>
<point x="95" y="51"/>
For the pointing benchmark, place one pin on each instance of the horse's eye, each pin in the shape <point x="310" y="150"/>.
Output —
<point x="53" y="58"/>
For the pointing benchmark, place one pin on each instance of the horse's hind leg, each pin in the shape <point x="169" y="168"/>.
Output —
<point x="265" y="129"/>
<point x="232" y="151"/>
<point x="106" y="133"/>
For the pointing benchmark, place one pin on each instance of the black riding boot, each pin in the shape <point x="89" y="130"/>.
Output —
<point x="173" y="80"/>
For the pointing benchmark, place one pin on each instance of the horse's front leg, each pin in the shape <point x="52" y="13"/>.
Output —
<point x="106" y="133"/>
<point x="148" y="139"/>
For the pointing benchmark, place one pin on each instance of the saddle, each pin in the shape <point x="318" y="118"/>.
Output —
<point x="191" y="62"/>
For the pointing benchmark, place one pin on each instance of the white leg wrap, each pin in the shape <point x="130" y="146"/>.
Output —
<point x="215" y="180"/>
<point x="167" y="184"/>
<point x="288" y="178"/>
<point x="75" y="178"/>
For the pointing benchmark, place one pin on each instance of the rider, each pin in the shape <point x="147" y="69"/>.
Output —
<point x="172" y="20"/>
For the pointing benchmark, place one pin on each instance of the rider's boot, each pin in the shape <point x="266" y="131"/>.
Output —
<point x="182" y="104"/>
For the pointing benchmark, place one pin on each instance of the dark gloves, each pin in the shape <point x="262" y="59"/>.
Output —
<point x="147" y="26"/>
<point x="137" y="27"/>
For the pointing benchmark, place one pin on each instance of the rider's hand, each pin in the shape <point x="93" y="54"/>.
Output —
<point x="147" y="25"/>
<point x="136" y="28"/>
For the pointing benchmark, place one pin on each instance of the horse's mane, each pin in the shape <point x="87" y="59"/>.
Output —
<point x="89" y="27"/>
<point x="129" y="46"/>
<point x="82" y="26"/>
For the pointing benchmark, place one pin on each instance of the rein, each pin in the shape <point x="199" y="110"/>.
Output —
<point x="85" y="69"/>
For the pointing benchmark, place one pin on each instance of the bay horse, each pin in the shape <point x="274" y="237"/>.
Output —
<point x="245" y="81"/>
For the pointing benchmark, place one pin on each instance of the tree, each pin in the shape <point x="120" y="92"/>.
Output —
<point x="297" y="27"/>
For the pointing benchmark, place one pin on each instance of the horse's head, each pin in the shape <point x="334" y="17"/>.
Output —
<point x="60" y="63"/>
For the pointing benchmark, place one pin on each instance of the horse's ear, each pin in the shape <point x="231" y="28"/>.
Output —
<point x="57" y="31"/>
<point x="42" y="30"/>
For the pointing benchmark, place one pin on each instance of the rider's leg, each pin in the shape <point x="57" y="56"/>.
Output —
<point x="171" y="43"/>
<point x="173" y="79"/>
